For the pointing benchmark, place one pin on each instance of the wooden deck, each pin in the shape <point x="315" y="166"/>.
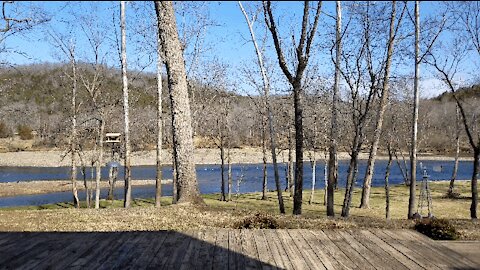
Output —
<point x="229" y="249"/>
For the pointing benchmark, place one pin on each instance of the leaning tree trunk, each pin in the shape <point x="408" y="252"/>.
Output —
<point x="126" y="108"/>
<point x="98" y="169"/>
<point x="266" y="89"/>
<point x="457" y="153"/>
<point x="158" y="178"/>
<point x="387" y="187"/>
<point x="367" y="182"/>
<point x="351" y="175"/>
<point x="187" y="185"/>
<point x="413" y="154"/>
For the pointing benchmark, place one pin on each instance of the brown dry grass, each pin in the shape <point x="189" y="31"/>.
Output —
<point x="143" y="216"/>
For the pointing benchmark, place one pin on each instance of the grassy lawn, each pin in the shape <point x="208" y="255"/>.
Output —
<point x="143" y="216"/>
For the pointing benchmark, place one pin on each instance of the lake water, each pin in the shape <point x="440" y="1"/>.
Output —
<point x="209" y="178"/>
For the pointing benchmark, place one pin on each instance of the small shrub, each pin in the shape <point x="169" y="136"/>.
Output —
<point x="5" y="131"/>
<point x="437" y="229"/>
<point x="25" y="132"/>
<point x="258" y="221"/>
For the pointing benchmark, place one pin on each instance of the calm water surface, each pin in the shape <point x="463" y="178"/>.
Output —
<point x="209" y="178"/>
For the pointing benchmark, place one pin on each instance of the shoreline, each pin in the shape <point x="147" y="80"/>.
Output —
<point x="203" y="156"/>
<point x="13" y="189"/>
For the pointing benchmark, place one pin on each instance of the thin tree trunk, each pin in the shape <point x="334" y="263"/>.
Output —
<point x="314" y="166"/>
<point x="126" y="108"/>
<point x="402" y="169"/>
<point x="264" y="153"/>
<point x="222" y="164"/>
<point x="158" y="178"/>
<point x="413" y="154"/>
<point x="85" y="183"/>
<point x="325" y="178"/>
<point x="73" y="143"/>
<point x="187" y="185"/>
<point x="113" y="179"/>
<point x="332" y="160"/>
<point x="387" y="188"/>
<point x="473" y="207"/>
<point x="457" y="153"/>
<point x="229" y="165"/>
<point x="352" y="170"/>
<point x="291" y="178"/>
<point x="174" y="176"/>
<point x="99" y="164"/>
<point x="367" y="182"/>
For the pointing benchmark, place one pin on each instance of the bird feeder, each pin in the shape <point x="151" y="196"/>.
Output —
<point x="112" y="137"/>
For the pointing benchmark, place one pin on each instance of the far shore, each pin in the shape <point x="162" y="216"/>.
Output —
<point x="57" y="158"/>
<point x="12" y="189"/>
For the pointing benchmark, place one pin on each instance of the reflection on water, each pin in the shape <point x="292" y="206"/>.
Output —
<point x="209" y="178"/>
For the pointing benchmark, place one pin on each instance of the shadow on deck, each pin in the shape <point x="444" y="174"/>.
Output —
<point x="228" y="249"/>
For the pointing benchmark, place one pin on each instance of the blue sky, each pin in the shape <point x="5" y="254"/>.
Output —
<point x="229" y="39"/>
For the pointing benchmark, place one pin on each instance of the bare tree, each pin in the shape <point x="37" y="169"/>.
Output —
<point x="266" y="87"/>
<point x="302" y="51"/>
<point x="332" y="159"/>
<point x="187" y="185"/>
<point x="451" y="186"/>
<point x="158" y="178"/>
<point x="413" y="152"/>
<point x="367" y="182"/>
<point x="126" y="108"/>
<point x="447" y="66"/>
<point x="362" y="80"/>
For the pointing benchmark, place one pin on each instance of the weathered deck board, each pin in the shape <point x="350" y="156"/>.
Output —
<point x="229" y="249"/>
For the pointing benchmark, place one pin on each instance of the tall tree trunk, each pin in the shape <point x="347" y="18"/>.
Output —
<point x="332" y="160"/>
<point x="457" y="152"/>
<point x="387" y="187"/>
<point x="126" y="108"/>
<point x="187" y="185"/>
<point x="158" y="178"/>
<point x="298" y="104"/>
<point x="413" y="154"/>
<point x="367" y="182"/>
<point x="73" y="143"/>
<point x="302" y="55"/>
<point x="99" y="163"/>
